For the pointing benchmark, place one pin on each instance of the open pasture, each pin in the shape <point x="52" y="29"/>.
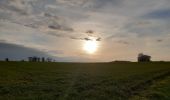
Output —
<point x="84" y="81"/>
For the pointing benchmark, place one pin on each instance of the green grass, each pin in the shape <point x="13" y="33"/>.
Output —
<point x="84" y="81"/>
<point x="160" y="90"/>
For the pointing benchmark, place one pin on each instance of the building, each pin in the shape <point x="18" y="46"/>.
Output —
<point x="144" y="58"/>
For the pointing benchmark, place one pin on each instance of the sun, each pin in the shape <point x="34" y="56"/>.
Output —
<point x="90" y="46"/>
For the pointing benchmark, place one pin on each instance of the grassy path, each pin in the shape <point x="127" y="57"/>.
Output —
<point x="75" y="76"/>
<point x="156" y="89"/>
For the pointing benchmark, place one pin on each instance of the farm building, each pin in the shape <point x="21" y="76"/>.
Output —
<point x="144" y="58"/>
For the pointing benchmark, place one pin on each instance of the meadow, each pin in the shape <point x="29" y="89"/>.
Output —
<point x="84" y="81"/>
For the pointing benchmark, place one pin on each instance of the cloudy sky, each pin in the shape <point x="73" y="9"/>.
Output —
<point x="60" y="28"/>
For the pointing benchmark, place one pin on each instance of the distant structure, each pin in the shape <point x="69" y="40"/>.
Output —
<point x="43" y="59"/>
<point x="49" y="60"/>
<point x="38" y="59"/>
<point x="6" y="59"/>
<point x="34" y="59"/>
<point x="144" y="58"/>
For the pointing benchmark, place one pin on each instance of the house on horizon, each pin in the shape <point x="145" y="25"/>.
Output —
<point x="144" y="58"/>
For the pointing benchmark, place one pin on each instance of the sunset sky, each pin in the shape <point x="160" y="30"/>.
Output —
<point x="85" y="30"/>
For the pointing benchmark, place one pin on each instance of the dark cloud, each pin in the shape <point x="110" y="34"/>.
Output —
<point x="159" y="14"/>
<point x="32" y="26"/>
<point x="78" y="38"/>
<point x="18" y="52"/>
<point x="90" y="39"/>
<point x="60" y="35"/>
<point x="87" y="39"/>
<point x="60" y="27"/>
<point x="55" y="26"/>
<point x="98" y="39"/>
<point x="89" y="31"/>
<point x="50" y="15"/>
<point x="159" y="40"/>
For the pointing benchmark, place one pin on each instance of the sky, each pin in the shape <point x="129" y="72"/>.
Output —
<point x="59" y="28"/>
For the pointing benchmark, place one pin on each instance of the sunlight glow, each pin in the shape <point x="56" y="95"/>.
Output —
<point x="90" y="46"/>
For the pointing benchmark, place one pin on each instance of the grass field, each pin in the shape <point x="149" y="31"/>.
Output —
<point x="84" y="81"/>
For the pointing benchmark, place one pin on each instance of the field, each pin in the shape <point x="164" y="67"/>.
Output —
<point x="84" y="81"/>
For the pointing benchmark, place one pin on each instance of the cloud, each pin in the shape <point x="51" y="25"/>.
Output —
<point x="18" y="52"/>
<point x="116" y="36"/>
<point x="63" y="35"/>
<point x="22" y="7"/>
<point x="59" y="27"/>
<point x="159" y="40"/>
<point x="72" y="2"/>
<point x="52" y="23"/>
<point x="74" y="36"/>
<point x="90" y="32"/>
<point x="159" y="14"/>
<point x="98" y="39"/>
<point x="87" y="39"/>
<point x="3" y="41"/>
<point x="57" y="35"/>
<point x="49" y="15"/>
<point x="24" y="12"/>
<point x="123" y="42"/>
